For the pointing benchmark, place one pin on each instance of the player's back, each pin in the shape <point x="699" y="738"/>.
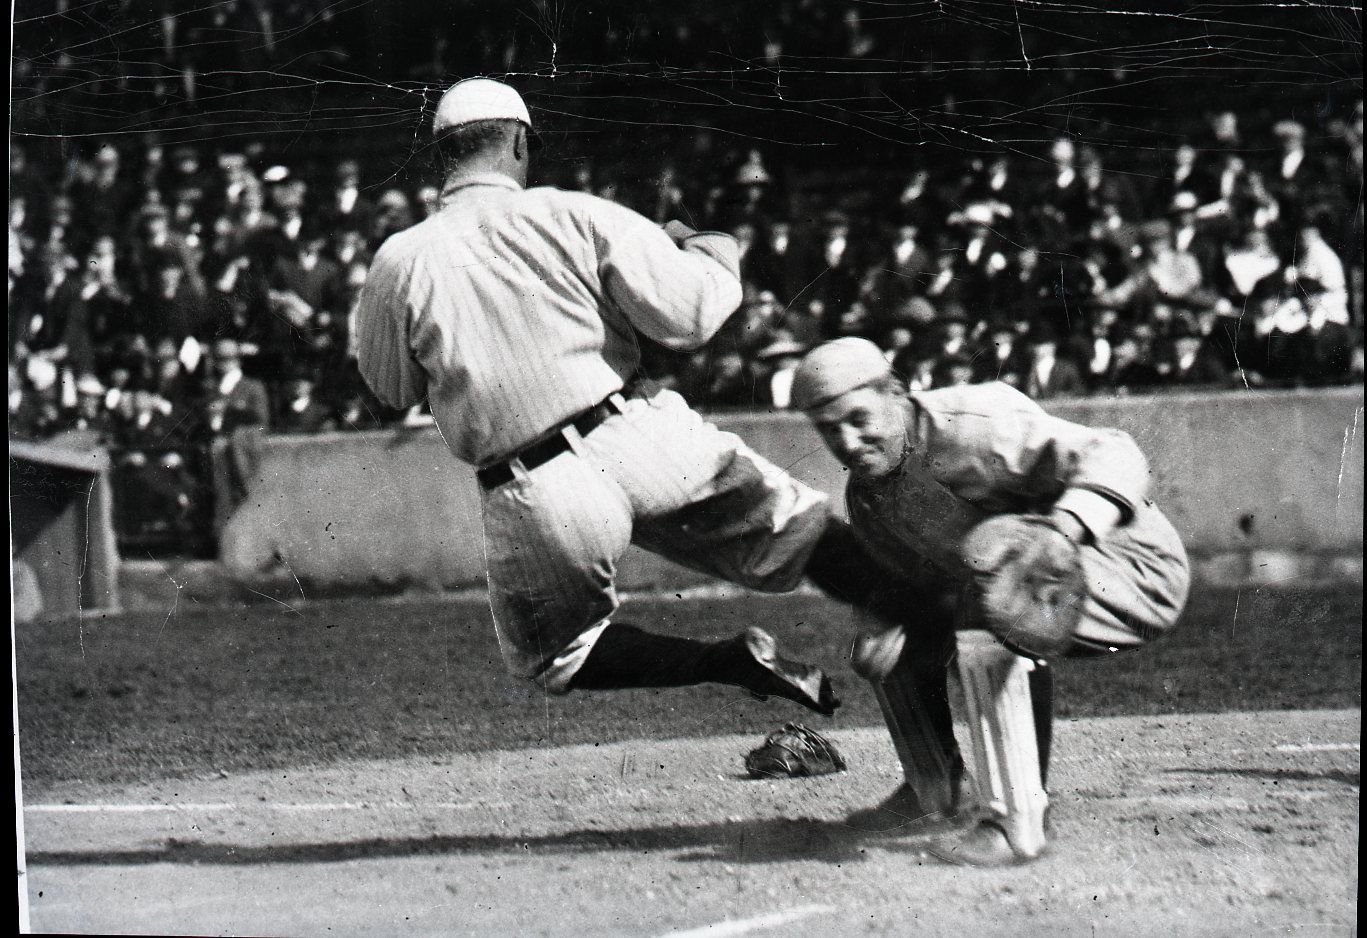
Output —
<point x="507" y="315"/>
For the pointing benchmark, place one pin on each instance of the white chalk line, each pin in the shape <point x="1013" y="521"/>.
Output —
<point x="1319" y="747"/>
<point x="741" y="926"/>
<point x="216" y="807"/>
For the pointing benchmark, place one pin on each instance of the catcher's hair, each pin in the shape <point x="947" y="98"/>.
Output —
<point x="458" y="144"/>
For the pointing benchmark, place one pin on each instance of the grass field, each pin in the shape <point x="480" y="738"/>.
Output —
<point x="193" y="691"/>
<point x="360" y="768"/>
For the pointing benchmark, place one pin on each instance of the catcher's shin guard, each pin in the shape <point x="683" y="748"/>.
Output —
<point x="994" y="702"/>
<point x="918" y="718"/>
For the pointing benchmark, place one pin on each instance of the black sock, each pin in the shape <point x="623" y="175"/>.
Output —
<point x="626" y="656"/>
<point x="1042" y="703"/>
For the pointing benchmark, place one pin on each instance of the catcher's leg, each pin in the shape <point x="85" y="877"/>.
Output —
<point x="909" y="680"/>
<point x="624" y="656"/>
<point x="995" y="702"/>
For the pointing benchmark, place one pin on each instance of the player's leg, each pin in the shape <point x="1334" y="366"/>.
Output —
<point x="994" y="701"/>
<point x="705" y="500"/>
<point x="1137" y="582"/>
<point x="626" y="656"/>
<point x="908" y="673"/>
<point x="552" y="540"/>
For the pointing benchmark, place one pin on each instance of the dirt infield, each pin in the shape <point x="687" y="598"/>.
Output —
<point x="1233" y="824"/>
<point x="364" y="767"/>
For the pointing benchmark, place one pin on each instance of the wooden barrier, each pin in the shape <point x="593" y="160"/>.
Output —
<point x="1237" y="472"/>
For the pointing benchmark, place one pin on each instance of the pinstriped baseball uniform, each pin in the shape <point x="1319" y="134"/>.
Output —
<point x="513" y="310"/>
<point x="998" y="451"/>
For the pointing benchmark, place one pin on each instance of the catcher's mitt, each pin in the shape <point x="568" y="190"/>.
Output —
<point x="794" y="752"/>
<point x="1028" y="582"/>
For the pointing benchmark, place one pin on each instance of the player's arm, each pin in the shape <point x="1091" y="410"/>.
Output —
<point x="1103" y="475"/>
<point x="675" y="285"/>
<point x="383" y="321"/>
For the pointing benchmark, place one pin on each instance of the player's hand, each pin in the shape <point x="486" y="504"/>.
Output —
<point x="678" y="232"/>
<point x="1028" y="585"/>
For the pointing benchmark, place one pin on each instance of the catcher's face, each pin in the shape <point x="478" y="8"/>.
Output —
<point x="865" y="429"/>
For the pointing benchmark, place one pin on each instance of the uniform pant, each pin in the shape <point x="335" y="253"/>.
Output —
<point x="656" y="475"/>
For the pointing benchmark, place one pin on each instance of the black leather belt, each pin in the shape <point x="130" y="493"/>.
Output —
<point x="549" y="447"/>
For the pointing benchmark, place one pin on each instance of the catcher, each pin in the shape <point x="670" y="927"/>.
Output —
<point x="1010" y="538"/>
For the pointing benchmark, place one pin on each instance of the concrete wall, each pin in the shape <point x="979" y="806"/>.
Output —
<point x="1237" y="472"/>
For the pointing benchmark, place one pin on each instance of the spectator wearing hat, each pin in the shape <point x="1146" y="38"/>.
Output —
<point x="156" y="245"/>
<point x="1191" y="360"/>
<point x="90" y="424"/>
<point x="169" y="378"/>
<point x="775" y="365"/>
<point x="1286" y="351"/>
<point x="105" y="198"/>
<point x="393" y="213"/>
<point x="750" y="197"/>
<point x="779" y="262"/>
<point x="1191" y="237"/>
<point x="1107" y="193"/>
<point x="953" y="371"/>
<point x="185" y="170"/>
<point x="1184" y="171"/>
<point x="50" y="317"/>
<point x="904" y="272"/>
<point x="1246" y="265"/>
<point x="231" y="399"/>
<point x="1050" y="374"/>
<point x="154" y="483"/>
<point x="300" y="409"/>
<point x="1060" y="201"/>
<point x="345" y="205"/>
<point x="170" y="308"/>
<point x="1316" y="262"/>
<point x="1003" y="359"/>
<point x="805" y="320"/>
<point x="1290" y="173"/>
<point x="835" y="267"/>
<point x="981" y="265"/>
<point x="1131" y="367"/>
<point x="428" y="199"/>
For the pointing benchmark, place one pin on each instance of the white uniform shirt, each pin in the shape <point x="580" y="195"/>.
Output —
<point x="512" y="310"/>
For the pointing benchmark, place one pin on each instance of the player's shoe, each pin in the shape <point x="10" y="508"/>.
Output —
<point x="983" y="844"/>
<point x="765" y="673"/>
<point x="901" y="814"/>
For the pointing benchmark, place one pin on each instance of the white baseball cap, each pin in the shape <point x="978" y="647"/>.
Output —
<point x="835" y="368"/>
<point x="479" y="99"/>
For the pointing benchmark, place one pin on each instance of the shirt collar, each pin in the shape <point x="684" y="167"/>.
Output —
<point x="457" y="183"/>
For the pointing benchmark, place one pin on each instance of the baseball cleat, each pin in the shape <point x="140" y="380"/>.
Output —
<point x="769" y="674"/>
<point x="901" y="814"/>
<point x="984" y="844"/>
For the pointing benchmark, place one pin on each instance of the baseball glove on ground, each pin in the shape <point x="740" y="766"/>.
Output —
<point x="1028" y="582"/>
<point x="794" y="752"/>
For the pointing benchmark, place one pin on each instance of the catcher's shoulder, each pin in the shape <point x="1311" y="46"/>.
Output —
<point x="989" y="399"/>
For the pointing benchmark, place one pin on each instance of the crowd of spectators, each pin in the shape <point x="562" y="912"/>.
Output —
<point x="162" y="298"/>
<point x="1235" y="263"/>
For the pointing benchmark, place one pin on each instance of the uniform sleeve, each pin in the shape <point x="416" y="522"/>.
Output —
<point x="678" y="295"/>
<point x="1093" y="466"/>
<point x="383" y="318"/>
<point x="1089" y="471"/>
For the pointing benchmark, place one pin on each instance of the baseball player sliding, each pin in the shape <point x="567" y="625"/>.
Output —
<point x="513" y="312"/>
<point x="1032" y="537"/>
